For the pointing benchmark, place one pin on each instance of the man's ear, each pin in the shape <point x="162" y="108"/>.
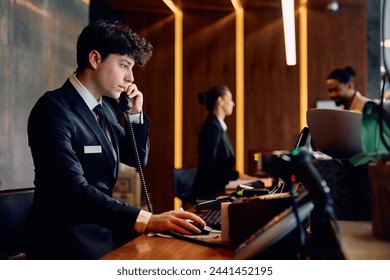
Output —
<point x="94" y="58"/>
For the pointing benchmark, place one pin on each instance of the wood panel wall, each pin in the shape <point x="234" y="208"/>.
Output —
<point x="208" y="60"/>
<point x="336" y="40"/>
<point x="271" y="87"/>
<point x="156" y="82"/>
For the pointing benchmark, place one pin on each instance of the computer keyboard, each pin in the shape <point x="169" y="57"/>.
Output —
<point x="212" y="218"/>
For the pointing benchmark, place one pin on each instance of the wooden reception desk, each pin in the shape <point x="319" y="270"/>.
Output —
<point x="359" y="244"/>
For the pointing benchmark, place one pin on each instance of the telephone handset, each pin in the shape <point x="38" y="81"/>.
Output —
<point x="124" y="102"/>
<point x="125" y="106"/>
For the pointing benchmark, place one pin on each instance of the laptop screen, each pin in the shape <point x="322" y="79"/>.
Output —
<point x="334" y="132"/>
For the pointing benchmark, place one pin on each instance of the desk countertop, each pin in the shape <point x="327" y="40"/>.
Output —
<point x="161" y="248"/>
<point x="359" y="244"/>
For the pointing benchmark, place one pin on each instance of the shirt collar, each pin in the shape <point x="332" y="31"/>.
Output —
<point x="84" y="92"/>
<point x="223" y="124"/>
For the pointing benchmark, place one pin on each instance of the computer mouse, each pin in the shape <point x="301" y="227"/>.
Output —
<point x="203" y="229"/>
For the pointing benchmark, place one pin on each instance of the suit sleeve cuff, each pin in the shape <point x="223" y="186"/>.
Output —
<point x="142" y="221"/>
<point x="137" y="118"/>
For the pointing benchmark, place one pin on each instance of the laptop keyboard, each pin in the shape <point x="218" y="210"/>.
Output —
<point x="212" y="218"/>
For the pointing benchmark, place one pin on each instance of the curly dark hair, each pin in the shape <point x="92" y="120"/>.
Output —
<point x="111" y="38"/>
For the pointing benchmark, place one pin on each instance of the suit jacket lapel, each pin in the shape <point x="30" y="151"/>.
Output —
<point x="225" y="135"/>
<point x="228" y="143"/>
<point x="90" y="120"/>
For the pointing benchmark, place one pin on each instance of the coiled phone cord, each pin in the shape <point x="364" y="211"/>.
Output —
<point x="125" y="105"/>
<point x="139" y="166"/>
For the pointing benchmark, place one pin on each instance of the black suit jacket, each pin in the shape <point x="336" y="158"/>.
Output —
<point x="216" y="160"/>
<point x="74" y="215"/>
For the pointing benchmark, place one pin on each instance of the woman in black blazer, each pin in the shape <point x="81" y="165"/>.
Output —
<point x="216" y="159"/>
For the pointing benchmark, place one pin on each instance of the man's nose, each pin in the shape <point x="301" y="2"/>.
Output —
<point x="129" y="78"/>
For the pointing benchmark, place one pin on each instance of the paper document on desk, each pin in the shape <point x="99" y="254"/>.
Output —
<point x="232" y="185"/>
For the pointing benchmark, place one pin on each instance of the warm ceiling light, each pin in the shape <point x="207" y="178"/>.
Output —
<point x="289" y="31"/>
<point x="236" y="4"/>
<point x="333" y="6"/>
<point x="172" y="6"/>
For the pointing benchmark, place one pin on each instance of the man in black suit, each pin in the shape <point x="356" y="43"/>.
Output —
<point x="76" y="160"/>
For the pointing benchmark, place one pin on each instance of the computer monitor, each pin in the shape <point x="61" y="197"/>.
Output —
<point x="334" y="132"/>
<point x="273" y="232"/>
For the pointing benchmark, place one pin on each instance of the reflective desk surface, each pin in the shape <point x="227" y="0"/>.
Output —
<point x="359" y="244"/>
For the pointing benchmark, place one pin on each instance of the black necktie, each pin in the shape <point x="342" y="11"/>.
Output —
<point x="101" y="118"/>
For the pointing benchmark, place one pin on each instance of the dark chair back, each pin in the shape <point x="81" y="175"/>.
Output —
<point x="15" y="206"/>
<point x="183" y="179"/>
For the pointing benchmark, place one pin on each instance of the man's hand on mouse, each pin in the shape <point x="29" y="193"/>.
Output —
<point x="174" y="220"/>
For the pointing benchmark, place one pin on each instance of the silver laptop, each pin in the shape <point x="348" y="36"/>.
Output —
<point x="335" y="132"/>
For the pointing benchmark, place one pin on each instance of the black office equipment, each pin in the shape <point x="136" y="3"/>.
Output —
<point x="212" y="204"/>
<point x="255" y="184"/>
<point x="275" y="230"/>
<point x="243" y="212"/>
<point x="241" y="192"/>
<point x="303" y="138"/>
<point x="212" y="218"/>
<point x="204" y="230"/>
<point x="324" y="240"/>
<point x="247" y="215"/>
<point x="250" y="192"/>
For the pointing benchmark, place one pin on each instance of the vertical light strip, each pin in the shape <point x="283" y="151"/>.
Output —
<point x="303" y="61"/>
<point x="178" y="102"/>
<point x="240" y="123"/>
<point x="289" y="31"/>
